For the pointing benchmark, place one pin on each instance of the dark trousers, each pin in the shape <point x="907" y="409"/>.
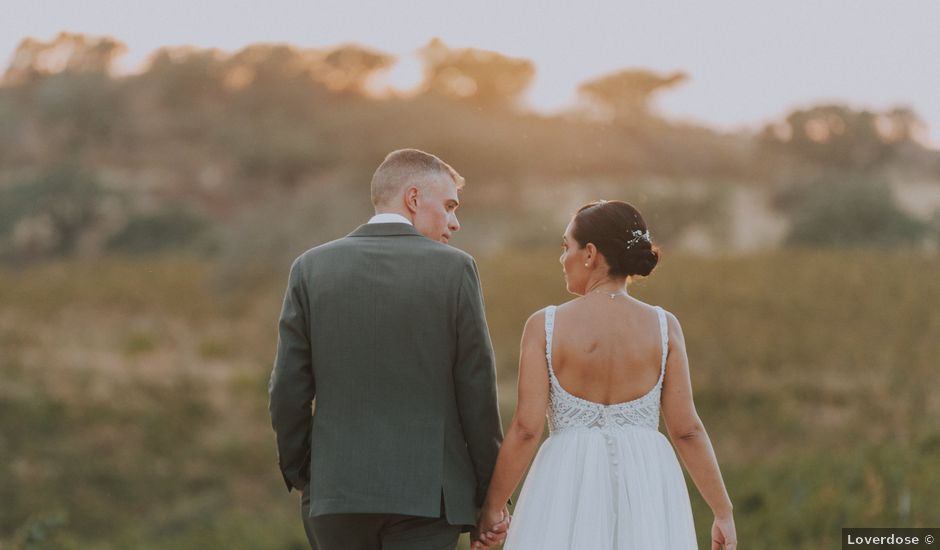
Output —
<point x="378" y="531"/>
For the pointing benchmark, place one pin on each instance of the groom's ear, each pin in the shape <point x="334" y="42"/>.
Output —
<point x="411" y="198"/>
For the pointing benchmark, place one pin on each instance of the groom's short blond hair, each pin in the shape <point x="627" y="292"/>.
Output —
<point x="408" y="167"/>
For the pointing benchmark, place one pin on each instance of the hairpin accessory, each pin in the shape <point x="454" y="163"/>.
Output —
<point x="638" y="236"/>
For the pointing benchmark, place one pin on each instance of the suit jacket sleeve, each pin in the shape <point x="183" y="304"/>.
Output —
<point x="292" y="386"/>
<point x="475" y="379"/>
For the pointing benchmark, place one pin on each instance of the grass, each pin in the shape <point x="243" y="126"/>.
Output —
<point x="133" y="403"/>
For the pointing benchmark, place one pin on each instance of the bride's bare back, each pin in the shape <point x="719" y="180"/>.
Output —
<point x="607" y="350"/>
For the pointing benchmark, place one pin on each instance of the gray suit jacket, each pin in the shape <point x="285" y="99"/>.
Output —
<point x="385" y="329"/>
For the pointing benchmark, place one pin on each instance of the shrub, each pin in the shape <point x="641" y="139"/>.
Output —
<point x="851" y="213"/>
<point x="159" y="231"/>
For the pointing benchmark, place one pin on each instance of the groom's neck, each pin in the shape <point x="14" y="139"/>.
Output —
<point x="406" y="215"/>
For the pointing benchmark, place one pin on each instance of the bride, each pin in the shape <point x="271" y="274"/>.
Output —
<point x="602" y="365"/>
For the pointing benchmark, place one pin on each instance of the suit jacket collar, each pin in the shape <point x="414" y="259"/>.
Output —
<point x="385" y="230"/>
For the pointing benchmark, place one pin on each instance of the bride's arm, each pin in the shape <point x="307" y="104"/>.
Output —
<point x="528" y="422"/>
<point x="688" y="434"/>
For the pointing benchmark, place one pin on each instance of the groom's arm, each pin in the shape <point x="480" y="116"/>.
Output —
<point x="475" y="379"/>
<point x="292" y="388"/>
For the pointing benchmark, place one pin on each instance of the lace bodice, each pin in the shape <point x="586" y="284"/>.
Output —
<point x="569" y="411"/>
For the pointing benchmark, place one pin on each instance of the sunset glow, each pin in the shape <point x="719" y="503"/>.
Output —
<point x="748" y="61"/>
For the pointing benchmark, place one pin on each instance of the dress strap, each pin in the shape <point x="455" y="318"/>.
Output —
<point x="549" y="331"/>
<point x="664" y="338"/>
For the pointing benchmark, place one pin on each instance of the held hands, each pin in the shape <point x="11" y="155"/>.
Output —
<point x="492" y="528"/>
<point x="723" y="534"/>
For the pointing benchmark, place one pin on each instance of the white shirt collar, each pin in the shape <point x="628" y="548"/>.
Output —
<point x="388" y="217"/>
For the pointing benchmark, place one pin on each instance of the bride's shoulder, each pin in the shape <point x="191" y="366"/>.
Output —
<point x="536" y="321"/>
<point x="534" y="330"/>
<point x="566" y="305"/>
<point x="537" y="316"/>
<point x="673" y="327"/>
<point x="671" y="318"/>
<point x="665" y="311"/>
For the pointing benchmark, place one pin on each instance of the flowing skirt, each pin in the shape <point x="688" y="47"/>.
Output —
<point x="616" y="489"/>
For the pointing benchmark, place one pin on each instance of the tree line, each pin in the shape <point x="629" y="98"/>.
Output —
<point x="92" y="161"/>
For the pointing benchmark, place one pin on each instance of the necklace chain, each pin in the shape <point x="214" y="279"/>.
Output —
<point x="612" y="295"/>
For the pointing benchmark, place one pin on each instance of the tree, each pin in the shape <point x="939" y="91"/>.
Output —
<point x="53" y="214"/>
<point x="900" y="124"/>
<point x="481" y="77"/>
<point x="78" y="109"/>
<point x="844" y="138"/>
<point x="348" y="68"/>
<point x="182" y="76"/>
<point x="274" y="79"/>
<point x="851" y="212"/>
<point x="67" y="52"/>
<point x="626" y="94"/>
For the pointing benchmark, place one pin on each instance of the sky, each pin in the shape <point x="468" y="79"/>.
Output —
<point x="749" y="61"/>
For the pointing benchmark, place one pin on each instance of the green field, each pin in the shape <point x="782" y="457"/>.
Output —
<point x="133" y="403"/>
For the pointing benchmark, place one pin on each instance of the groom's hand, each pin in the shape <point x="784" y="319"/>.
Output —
<point x="492" y="528"/>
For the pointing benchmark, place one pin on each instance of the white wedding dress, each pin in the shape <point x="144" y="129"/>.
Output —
<point x="606" y="477"/>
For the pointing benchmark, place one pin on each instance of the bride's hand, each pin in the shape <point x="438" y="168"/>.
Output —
<point x="723" y="534"/>
<point x="491" y="528"/>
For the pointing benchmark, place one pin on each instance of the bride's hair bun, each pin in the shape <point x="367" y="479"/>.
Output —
<point x="620" y="234"/>
<point x="637" y="262"/>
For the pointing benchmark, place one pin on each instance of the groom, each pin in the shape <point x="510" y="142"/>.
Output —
<point x="385" y="329"/>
